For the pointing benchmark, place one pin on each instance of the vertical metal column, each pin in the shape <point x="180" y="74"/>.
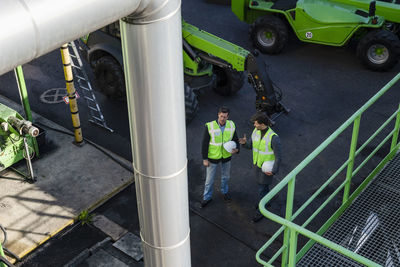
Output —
<point x="23" y="95"/>
<point x="152" y="49"/>
<point x="73" y="105"/>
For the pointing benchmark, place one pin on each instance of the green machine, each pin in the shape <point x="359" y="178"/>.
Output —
<point x="209" y="62"/>
<point x="18" y="135"/>
<point x="374" y="25"/>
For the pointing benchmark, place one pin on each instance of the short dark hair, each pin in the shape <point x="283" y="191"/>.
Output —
<point x="261" y="118"/>
<point x="223" y="109"/>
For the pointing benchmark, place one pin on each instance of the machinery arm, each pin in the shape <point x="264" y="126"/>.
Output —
<point x="202" y="46"/>
<point x="267" y="99"/>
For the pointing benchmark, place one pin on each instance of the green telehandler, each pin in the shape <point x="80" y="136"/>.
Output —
<point x="209" y="61"/>
<point x="374" y="25"/>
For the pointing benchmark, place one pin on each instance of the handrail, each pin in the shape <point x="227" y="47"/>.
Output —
<point x="290" y="229"/>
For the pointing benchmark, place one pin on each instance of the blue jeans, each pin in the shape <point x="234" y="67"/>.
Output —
<point x="210" y="177"/>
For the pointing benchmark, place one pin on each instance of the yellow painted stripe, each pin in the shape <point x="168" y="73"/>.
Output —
<point x="91" y="208"/>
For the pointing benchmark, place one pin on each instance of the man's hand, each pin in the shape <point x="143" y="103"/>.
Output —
<point x="269" y="173"/>
<point x="234" y="151"/>
<point x="206" y="163"/>
<point x="243" y="140"/>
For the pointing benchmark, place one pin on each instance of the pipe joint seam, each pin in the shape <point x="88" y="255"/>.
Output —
<point x="137" y="20"/>
<point x="166" y="248"/>
<point x="161" y="177"/>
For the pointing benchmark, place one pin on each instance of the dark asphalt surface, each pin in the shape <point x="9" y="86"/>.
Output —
<point x="321" y="85"/>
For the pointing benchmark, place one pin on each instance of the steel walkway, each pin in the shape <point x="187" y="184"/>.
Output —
<point x="369" y="227"/>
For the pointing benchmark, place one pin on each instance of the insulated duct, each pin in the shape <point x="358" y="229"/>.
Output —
<point x="152" y="49"/>
<point x="32" y="28"/>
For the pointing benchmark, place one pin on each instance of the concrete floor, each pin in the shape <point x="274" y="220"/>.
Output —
<point x="322" y="85"/>
<point x="69" y="181"/>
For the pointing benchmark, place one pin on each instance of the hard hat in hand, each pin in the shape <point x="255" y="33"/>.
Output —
<point x="229" y="146"/>
<point x="267" y="166"/>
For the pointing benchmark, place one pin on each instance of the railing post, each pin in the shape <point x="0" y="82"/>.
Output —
<point x="396" y="131"/>
<point x="292" y="248"/>
<point x="350" y="165"/>
<point x="288" y="216"/>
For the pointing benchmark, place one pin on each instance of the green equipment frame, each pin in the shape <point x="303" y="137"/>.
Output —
<point x="375" y="25"/>
<point x="218" y="47"/>
<point x="291" y="230"/>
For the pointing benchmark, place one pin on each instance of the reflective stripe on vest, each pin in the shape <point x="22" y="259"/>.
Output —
<point x="262" y="150"/>
<point x="218" y="138"/>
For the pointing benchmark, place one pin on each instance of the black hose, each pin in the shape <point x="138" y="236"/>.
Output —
<point x="6" y="262"/>
<point x="5" y="249"/>
<point x="9" y="253"/>
<point x="5" y="235"/>
<point x="215" y="61"/>
<point x="122" y="164"/>
<point x="188" y="49"/>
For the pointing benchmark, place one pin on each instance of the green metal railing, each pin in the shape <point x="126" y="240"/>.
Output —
<point x="288" y="251"/>
<point x="23" y="94"/>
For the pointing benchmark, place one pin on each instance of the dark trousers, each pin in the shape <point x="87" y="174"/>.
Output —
<point x="263" y="189"/>
<point x="263" y="182"/>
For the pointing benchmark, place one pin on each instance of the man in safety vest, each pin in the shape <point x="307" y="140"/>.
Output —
<point x="266" y="147"/>
<point x="215" y="150"/>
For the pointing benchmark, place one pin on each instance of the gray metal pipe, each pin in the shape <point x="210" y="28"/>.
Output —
<point x="31" y="28"/>
<point x="152" y="49"/>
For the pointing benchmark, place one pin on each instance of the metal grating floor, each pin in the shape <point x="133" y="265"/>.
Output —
<point x="369" y="227"/>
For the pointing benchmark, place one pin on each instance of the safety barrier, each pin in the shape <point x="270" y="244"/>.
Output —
<point x="291" y="230"/>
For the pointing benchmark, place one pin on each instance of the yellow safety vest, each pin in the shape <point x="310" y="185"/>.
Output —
<point x="218" y="138"/>
<point x="262" y="150"/>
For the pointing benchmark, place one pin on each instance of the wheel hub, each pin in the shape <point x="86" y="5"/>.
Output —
<point x="378" y="54"/>
<point x="266" y="37"/>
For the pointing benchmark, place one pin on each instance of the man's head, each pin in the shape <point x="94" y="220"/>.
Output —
<point x="260" y="121"/>
<point x="223" y="115"/>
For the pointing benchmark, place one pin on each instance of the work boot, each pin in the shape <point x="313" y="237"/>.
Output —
<point x="205" y="202"/>
<point x="227" y="197"/>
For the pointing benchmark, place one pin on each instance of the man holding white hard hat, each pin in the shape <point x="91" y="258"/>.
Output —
<point x="220" y="142"/>
<point x="266" y="147"/>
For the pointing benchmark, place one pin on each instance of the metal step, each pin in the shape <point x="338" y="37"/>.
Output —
<point x="82" y="82"/>
<point x="369" y="227"/>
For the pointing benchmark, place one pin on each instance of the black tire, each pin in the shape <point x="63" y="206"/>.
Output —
<point x="228" y="81"/>
<point x="379" y="50"/>
<point x="191" y="104"/>
<point x="269" y="34"/>
<point x="110" y="77"/>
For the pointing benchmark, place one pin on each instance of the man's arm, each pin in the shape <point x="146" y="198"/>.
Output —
<point x="236" y="140"/>
<point x="245" y="143"/>
<point x="277" y="148"/>
<point x="205" y="143"/>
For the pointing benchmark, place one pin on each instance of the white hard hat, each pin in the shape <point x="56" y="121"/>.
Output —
<point x="267" y="166"/>
<point x="229" y="146"/>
